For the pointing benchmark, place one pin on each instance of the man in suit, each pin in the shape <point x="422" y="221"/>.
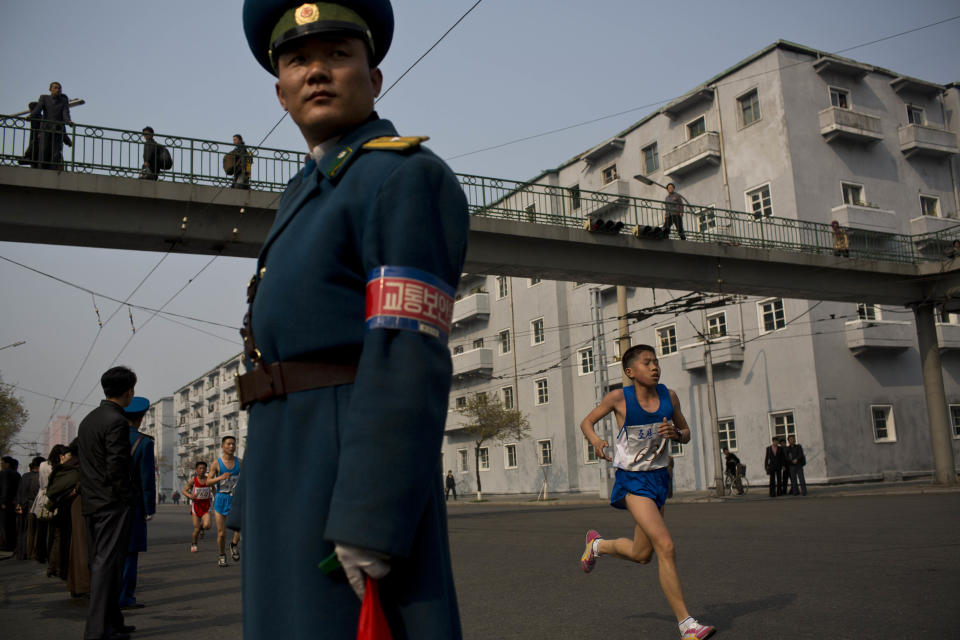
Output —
<point x="54" y="112"/>
<point x="796" y="460"/>
<point x="349" y="370"/>
<point x="144" y="481"/>
<point x="774" y="463"/>
<point x="109" y="499"/>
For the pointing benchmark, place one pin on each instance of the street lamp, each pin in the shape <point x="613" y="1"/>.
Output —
<point x="15" y="344"/>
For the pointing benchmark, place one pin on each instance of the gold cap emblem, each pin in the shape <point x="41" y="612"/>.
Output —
<point x="306" y="13"/>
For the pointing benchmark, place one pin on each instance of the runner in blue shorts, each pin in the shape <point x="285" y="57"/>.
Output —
<point x="648" y="417"/>
<point x="225" y="474"/>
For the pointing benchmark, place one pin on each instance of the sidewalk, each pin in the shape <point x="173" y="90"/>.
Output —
<point x="755" y="493"/>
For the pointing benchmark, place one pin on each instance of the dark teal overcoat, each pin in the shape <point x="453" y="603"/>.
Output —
<point x="357" y="463"/>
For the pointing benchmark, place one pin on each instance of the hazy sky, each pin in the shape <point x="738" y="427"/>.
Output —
<point x="511" y="69"/>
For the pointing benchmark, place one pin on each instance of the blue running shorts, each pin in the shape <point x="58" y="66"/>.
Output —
<point x="649" y="484"/>
<point x="222" y="502"/>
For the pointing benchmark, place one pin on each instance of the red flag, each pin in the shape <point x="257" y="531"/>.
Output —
<point x="373" y="624"/>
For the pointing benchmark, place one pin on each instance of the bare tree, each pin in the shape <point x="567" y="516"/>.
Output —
<point x="488" y="419"/>
<point x="12" y="416"/>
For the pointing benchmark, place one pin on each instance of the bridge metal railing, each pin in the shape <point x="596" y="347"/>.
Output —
<point x="118" y="152"/>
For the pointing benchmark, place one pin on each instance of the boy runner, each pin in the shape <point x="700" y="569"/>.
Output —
<point x="228" y="470"/>
<point x="201" y="495"/>
<point x="648" y="415"/>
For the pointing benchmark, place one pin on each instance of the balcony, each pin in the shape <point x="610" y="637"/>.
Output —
<point x="932" y="224"/>
<point x="841" y="66"/>
<point x="849" y="125"/>
<point x="229" y="407"/>
<point x="478" y="362"/>
<point x="229" y="380"/>
<point x="873" y="335"/>
<point x="684" y="103"/>
<point x="455" y="421"/>
<point x="182" y="450"/>
<point x="726" y="351"/>
<point x="211" y="391"/>
<point x="206" y="442"/>
<point x="862" y="216"/>
<point x="948" y="336"/>
<point x="924" y="140"/>
<point x="702" y="151"/>
<point x="475" y="306"/>
<point x="607" y="198"/>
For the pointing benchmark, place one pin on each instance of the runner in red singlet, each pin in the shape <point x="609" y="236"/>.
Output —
<point x="201" y="496"/>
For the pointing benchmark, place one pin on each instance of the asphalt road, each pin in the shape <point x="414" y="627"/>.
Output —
<point x="859" y="567"/>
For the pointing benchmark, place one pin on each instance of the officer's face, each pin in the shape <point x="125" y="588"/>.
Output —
<point x="327" y="85"/>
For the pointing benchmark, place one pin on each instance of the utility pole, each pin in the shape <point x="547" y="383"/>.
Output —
<point x="714" y="425"/>
<point x="600" y="381"/>
<point x="623" y="333"/>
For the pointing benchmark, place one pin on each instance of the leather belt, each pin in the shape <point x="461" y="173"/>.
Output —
<point x="268" y="381"/>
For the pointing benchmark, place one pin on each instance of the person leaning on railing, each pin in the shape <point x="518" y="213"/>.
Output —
<point x="841" y="244"/>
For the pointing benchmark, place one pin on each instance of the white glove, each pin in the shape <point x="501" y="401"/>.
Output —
<point x="358" y="563"/>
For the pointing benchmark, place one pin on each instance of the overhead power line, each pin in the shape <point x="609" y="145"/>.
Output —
<point x="657" y="103"/>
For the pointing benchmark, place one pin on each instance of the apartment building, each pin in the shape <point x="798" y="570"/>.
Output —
<point x="790" y="133"/>
<point x="160" y="424"/>
<point x="206" y="410"/>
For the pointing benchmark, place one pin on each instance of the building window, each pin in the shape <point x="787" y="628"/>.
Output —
<point x="536" y="332"/>
<point x="457" y="350"/>
<point x="728" y="434"/>
<point x="503" y="338"/>
<point x="585" y="361"/>
<point x="696" y="128"/>
<point x="667" y="340"/>
<point x="915" y="115"/>
<point x="717" y="324"/>
<point x="478" y="343"/>
<point x="867" y="311"/>
<point x="883" y="428"/>
<point x="575" y="196"/>
<point x="462" y="460"/>
<point x="609" y="174"/>
<point x="545" y="452"/>
<point x="772" y="317"/>
<point x="944" y="317"/>
<point x="483" y="458"/>
<point x="852" y="193"/>
<point x="955" y="419"/>
<point x="782" y="425"/>
<point x="676" y="448"/>
<point x="502" y="287"/>
<point x="840" y="98"/>
<point x="509" y="456"/>
<point x="749" y="108"/>
<point x="531" y="282"/>
<point x="590" y="454"/>
<point x="707" y="219"/>
<point x="930" y="206"/>
<point x="759" y="202"/>
<point x="460" y="402"/>
<point x="506" y="395"/>
<point x="543" y="392"/>
<point x="651" y="159"/>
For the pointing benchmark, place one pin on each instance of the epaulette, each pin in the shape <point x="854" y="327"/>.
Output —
<point x="395" y="143"/>
<point x="335" y="167"/>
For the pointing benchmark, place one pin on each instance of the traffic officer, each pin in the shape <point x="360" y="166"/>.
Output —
<point x="348" y="367"/>
<point x="144" y="481"/>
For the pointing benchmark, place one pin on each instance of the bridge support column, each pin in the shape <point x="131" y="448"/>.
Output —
<point x="940" y="441"/>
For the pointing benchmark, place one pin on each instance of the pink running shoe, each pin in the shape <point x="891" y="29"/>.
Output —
<point x="589" y="559"/>
<point x="698" y="632"/>
<point x="193" y="548"/>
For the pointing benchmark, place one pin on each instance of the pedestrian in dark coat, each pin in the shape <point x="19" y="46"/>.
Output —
<point x="54" y="113"/>
<point x="796" y="460"/>
<point x="26" y="521"/>
<point x="151" y="156"/>
<point x="144" y="481"/>
<point x="9" y="485"/>
<point x="774" y="463"/>
<point x="108" y="500"/>
<point x="368" y="209"/>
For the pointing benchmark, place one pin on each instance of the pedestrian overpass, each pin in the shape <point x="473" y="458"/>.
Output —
<point x="525" y="229"/>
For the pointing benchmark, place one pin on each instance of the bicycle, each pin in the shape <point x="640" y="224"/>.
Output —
<point x="736" y="484"/>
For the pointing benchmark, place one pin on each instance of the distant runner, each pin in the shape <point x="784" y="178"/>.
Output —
<point x="201" y="495"/>
<point x="228" y="473"/>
